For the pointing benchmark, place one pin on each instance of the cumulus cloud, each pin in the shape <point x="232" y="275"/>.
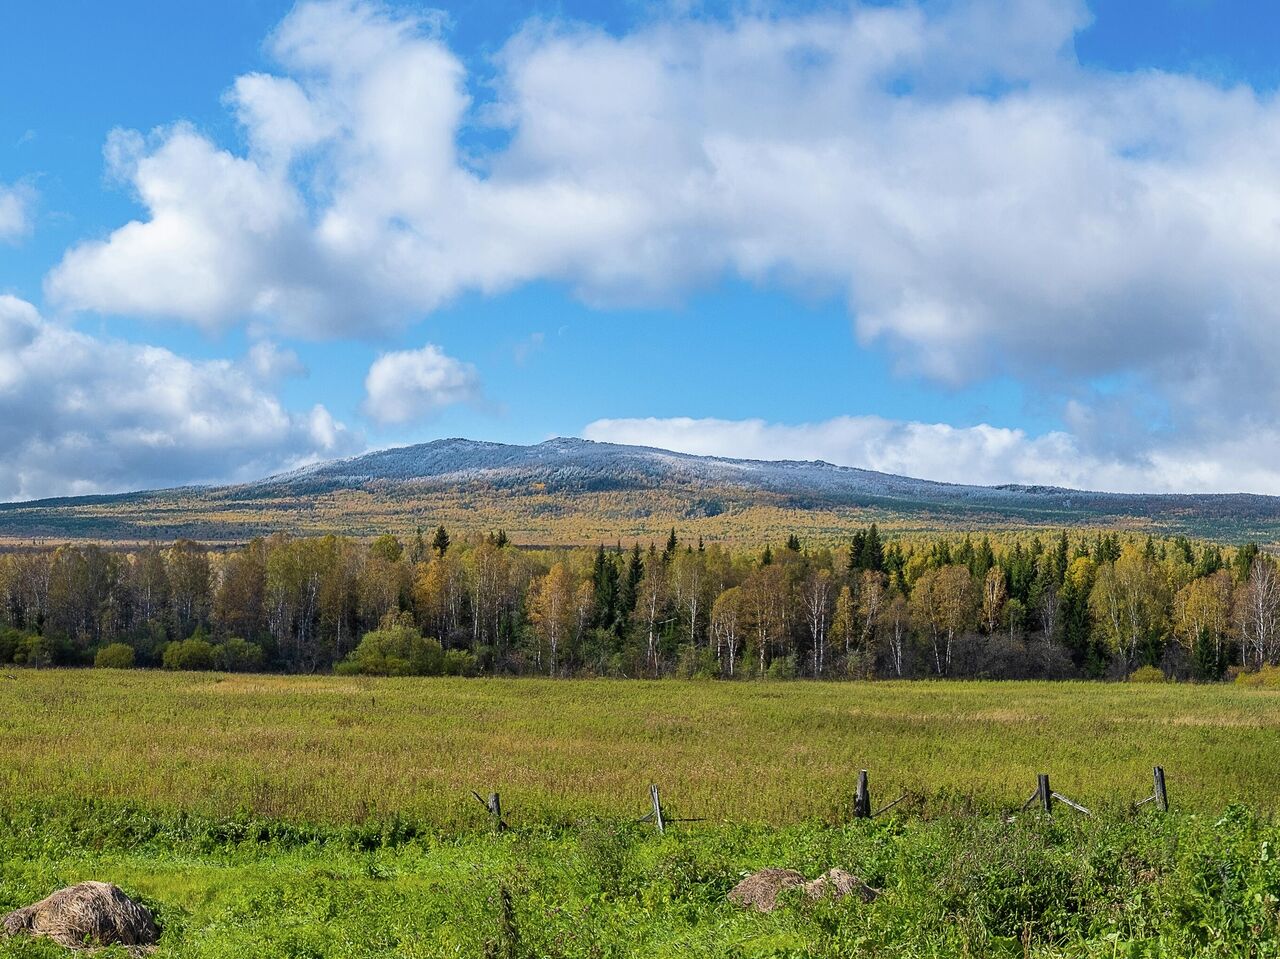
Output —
<point x="82" y="414"/>
<point x="980" y="454"/>
<point x="985" y="204"/>
<point x="271" y="363"/>
<point x="415" y="384"/>
<point x="16" y="204"/>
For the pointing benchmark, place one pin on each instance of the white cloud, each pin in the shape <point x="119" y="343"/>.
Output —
<point x="986" y="205"/>
<point x="215" y="246"/>
<point x="81" y="414"/>
<point x="271" y="363"/>
<point x="983" y="454"/>
<point x="414" y="384"/>
<point x="639" y="166"/>
<point x="16" y="204"/>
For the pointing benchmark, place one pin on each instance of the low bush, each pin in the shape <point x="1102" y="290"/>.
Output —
<point x="237" y="655"/>
<point x="8" y="644"/>
<point x="458" y="662"/>
<point x="115" y="656"/>
<point x="396" y="648"/>
<point x="1147" y="674"/>
<point x="189" y="654"/>
<point x="1268" y="677"/>
<point x="783" y="667"/>
<point x="34" y="651"/>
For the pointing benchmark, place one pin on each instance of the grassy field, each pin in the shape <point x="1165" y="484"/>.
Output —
<point x="1181" y="887"/>
<point x="339" y="749"/>
<point x="317" y="816"/>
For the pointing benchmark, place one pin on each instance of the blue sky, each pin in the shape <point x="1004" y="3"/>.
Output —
<point x="981" y="240"/>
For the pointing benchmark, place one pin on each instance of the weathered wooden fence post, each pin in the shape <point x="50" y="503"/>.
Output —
<point x="1161" y="794"/>
<point x="1044" y="793"/>
<point x="494" y="805"/>
<point x="657" y="809"/>
<point x="862" y="799"/>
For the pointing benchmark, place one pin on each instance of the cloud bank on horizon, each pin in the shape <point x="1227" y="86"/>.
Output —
<point x="984" y="204"/>
<point x="79" y="413"/>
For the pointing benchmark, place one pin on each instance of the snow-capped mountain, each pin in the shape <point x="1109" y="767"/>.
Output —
<point x="639" y="488"/>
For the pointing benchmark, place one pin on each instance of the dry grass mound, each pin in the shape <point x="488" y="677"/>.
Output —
<point x="88" y="915"/>
<point x="837" y="884"/>
<point x="760" y="890"/>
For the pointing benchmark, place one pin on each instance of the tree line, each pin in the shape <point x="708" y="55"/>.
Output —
<point x="1092" y="604"/>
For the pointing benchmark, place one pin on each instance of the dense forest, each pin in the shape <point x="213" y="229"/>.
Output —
<point x="1076" y="605"/>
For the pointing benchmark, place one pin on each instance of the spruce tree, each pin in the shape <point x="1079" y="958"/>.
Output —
<point x="630" y="584"/>
<point x="872" y="552"/>
<point x="672" y="543"/>
<point x="857" y="549"/>
<point x="984" y="559"/>
<point x="440" y="542"/>
<point x="1245" y="557"/>
<point x="1061" y="557"/>
<point x="604" y="582"/>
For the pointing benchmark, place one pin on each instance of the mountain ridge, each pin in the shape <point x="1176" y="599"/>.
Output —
<point x="636" y="489"/>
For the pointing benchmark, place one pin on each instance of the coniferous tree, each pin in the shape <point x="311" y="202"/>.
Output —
<point x="857" y="549"/>
<point x="1244" y="561"/>
<point x="1061" y="558"/>
<point x="629" y="586"/>
<point x="440" y="542"/>
<point x="872" y="554"/>
<point x="1210" y="560"/>
<point x="604" y="589"/>
<point x="983" y="560"/>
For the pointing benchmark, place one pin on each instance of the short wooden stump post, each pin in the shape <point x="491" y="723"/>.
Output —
<point x="862" y="799"/>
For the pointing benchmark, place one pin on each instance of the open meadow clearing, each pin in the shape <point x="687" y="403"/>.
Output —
<point x="320" y="816"/>
<point x="346" y="749"/>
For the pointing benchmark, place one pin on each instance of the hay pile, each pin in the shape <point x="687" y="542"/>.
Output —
<point x="761" y="889"/>
<point x="837" y="884"/>
<point x="90" y="914"/>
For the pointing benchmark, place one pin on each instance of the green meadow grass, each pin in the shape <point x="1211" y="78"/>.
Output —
<point x="331" y="817"/>
<point x="1139" y="885"/>
<point x="340" y="750"/>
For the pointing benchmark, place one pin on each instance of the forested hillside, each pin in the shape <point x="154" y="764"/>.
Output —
<point x="1091" y="604"/>
<point x="574" y="492"/>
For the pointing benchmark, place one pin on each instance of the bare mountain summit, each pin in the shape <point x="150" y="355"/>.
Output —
<point x="572" y="490"/>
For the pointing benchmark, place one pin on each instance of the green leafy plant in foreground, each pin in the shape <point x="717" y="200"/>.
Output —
<point x="1126" y="884"/>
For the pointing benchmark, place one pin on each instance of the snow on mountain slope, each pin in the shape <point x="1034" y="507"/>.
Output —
<point x="568" y="489"/>
<point x="576" y="464"/>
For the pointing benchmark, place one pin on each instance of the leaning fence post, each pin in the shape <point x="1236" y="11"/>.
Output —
<point x="862" y="799"/>
<point x="494" y="805"/>
<point x="1161" y="794"/>
<point x="657" y="809"/>
<point x="1044" y="793"/>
